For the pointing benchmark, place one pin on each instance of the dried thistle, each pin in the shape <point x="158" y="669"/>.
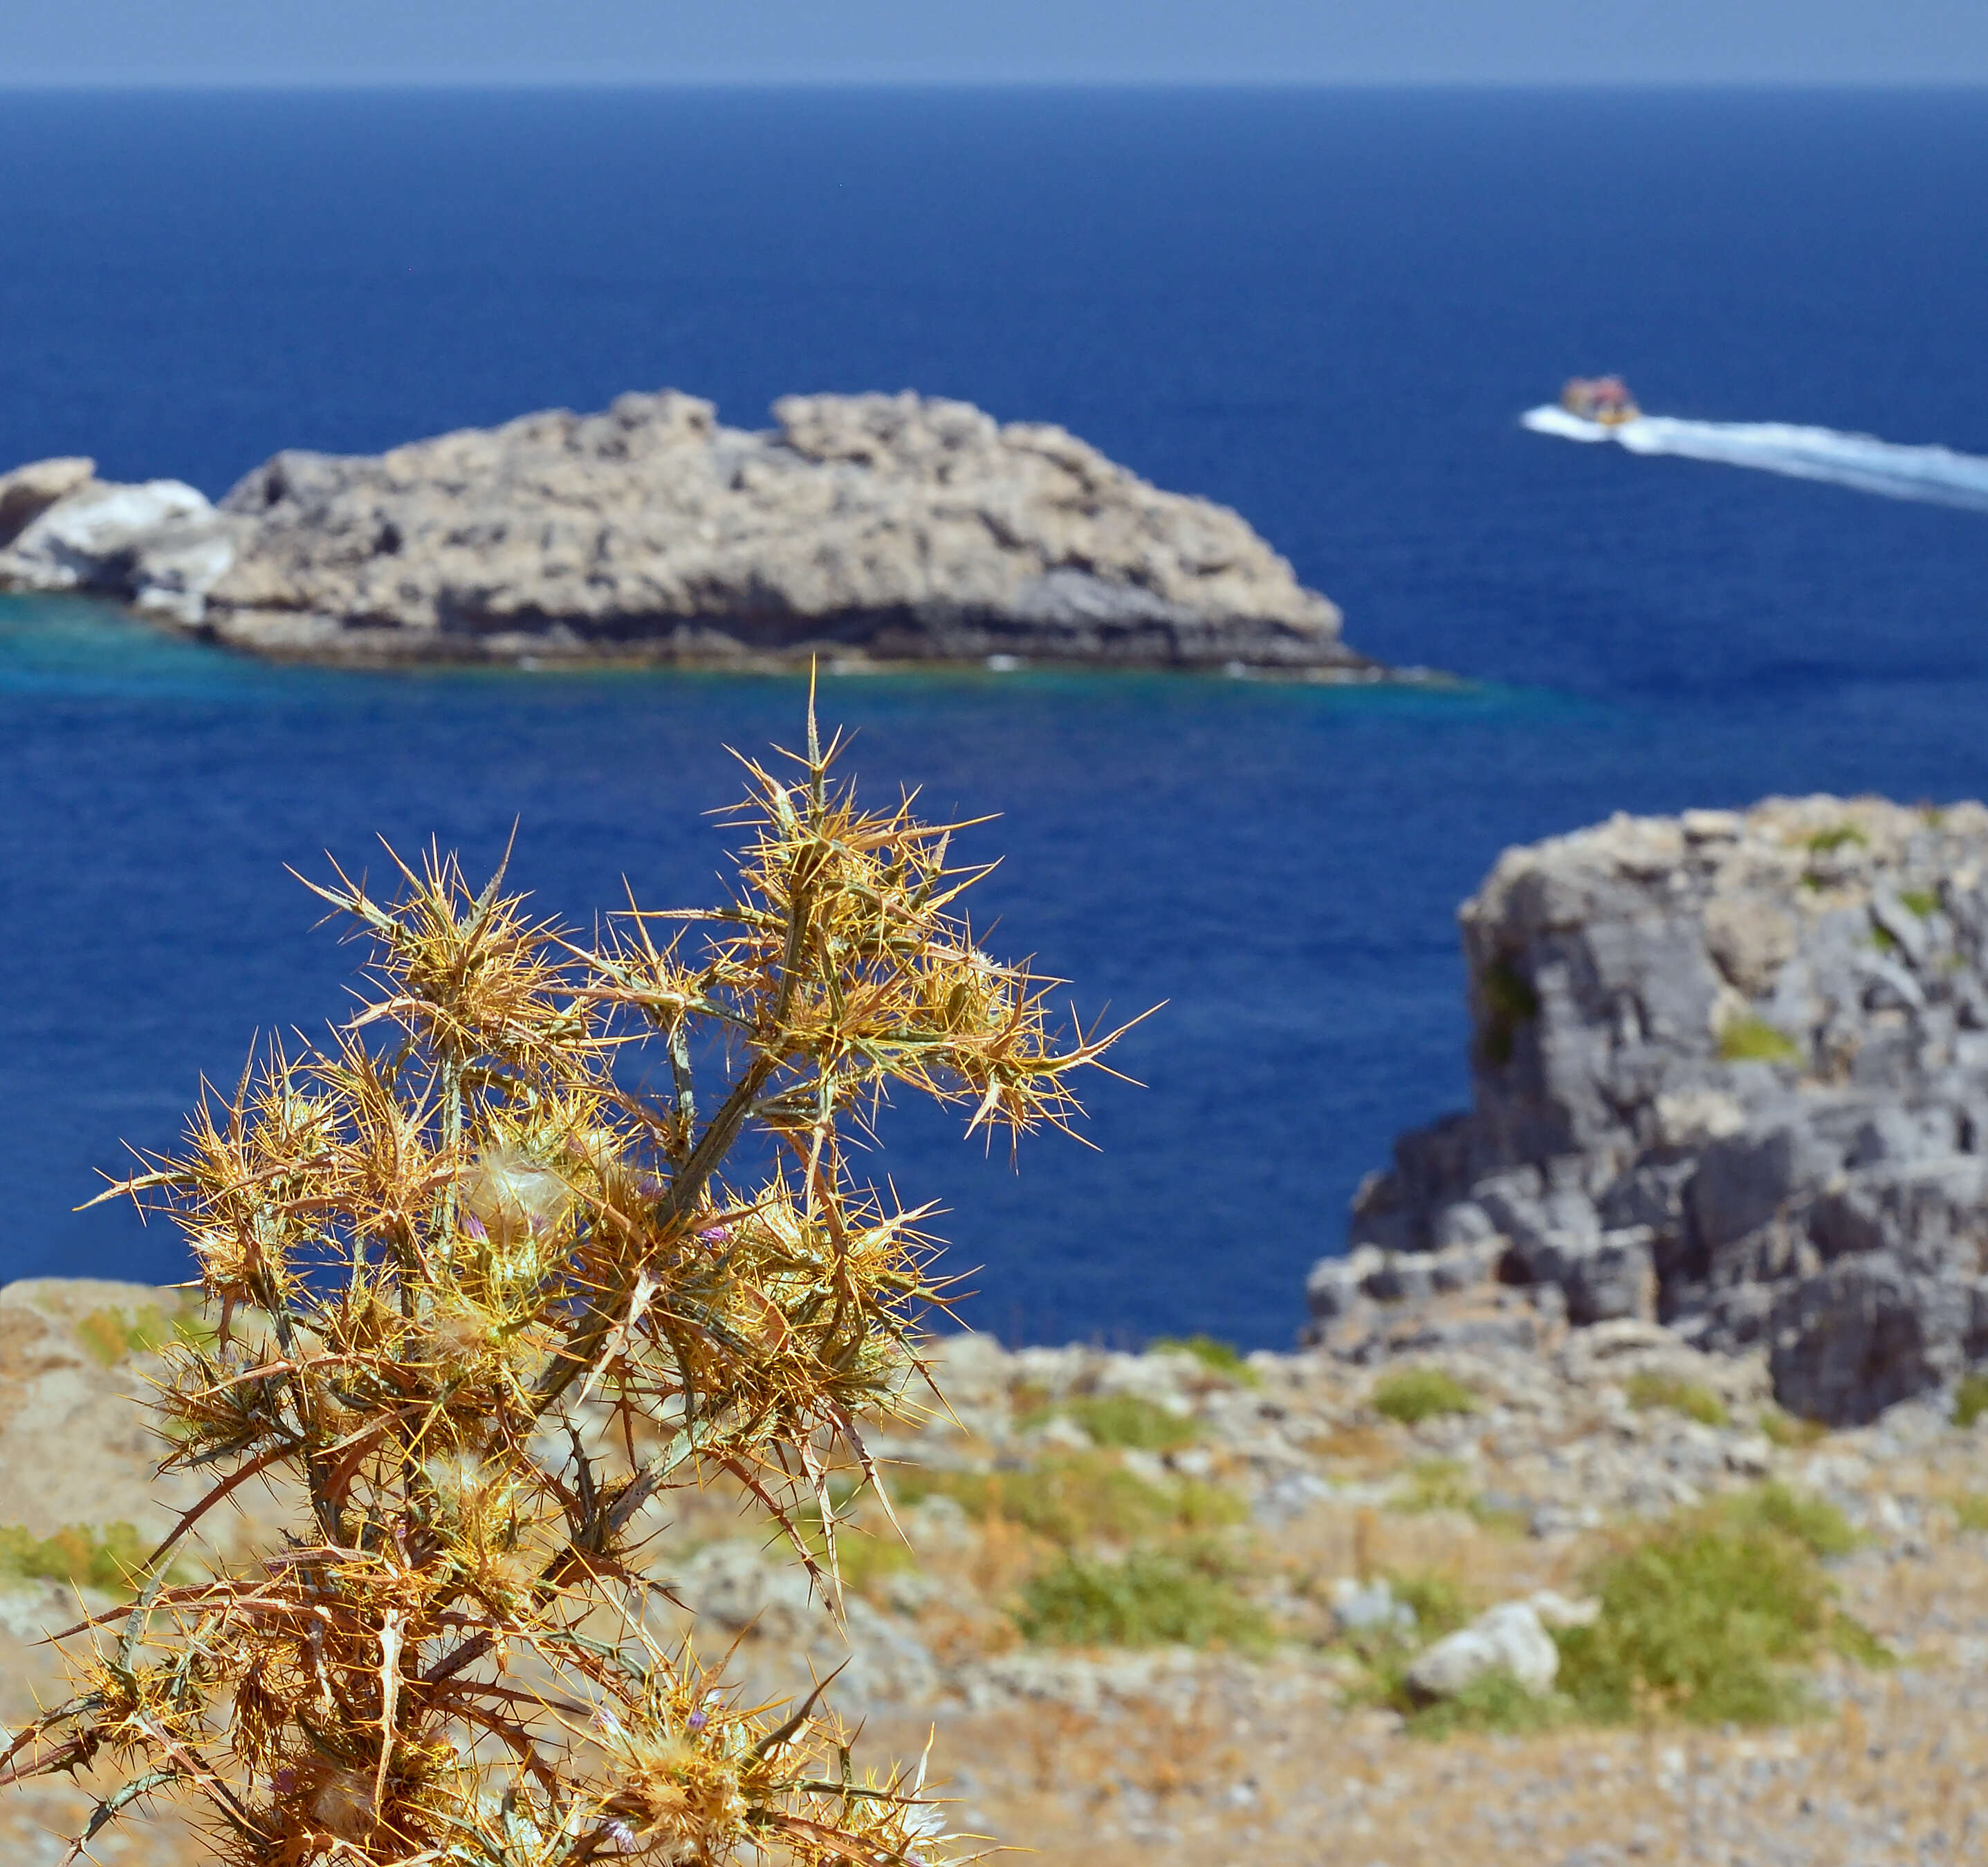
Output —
<point x="484" y="1297"/>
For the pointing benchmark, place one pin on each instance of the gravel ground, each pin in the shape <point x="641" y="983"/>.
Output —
<point x="1171" y="1754"/>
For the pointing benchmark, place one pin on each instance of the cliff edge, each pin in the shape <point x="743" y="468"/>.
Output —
<point x="1730" y="1070"/>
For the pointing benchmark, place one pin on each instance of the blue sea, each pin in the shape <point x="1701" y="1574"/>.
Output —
<point x="1327" y="309"/>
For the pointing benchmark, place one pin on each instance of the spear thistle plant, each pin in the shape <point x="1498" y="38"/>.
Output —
<point x="482" y="1297"/>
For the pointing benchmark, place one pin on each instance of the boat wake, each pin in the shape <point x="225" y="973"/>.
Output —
<point x="1897" y="472"/>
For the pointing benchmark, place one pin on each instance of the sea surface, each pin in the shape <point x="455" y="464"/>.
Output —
<point x="1329" y="310"/>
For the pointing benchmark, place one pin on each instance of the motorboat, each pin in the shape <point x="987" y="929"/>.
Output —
<point x="1605" y="400"/>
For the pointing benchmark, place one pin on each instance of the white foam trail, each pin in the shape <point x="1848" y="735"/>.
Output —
<point x="1896" y="471"/>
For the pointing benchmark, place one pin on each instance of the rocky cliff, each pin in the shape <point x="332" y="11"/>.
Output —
<point x="867" y="527"/>
<point x="1731" y="1070"/>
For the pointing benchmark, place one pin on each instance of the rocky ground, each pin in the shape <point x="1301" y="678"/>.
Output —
<point x="1163" y="1607"/>
<point x="866" y="529"/>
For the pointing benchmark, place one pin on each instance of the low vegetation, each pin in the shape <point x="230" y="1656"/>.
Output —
<point x="1122" y="1420"/>
<point x="1711" y="1616"/>
<point x="1751" y="1039"/>
<point x="1786" y="1429"/>
<point x="1218" y="1357"/>
<point x="1411" y="1395"/>
<point x="1080" y="1500"/>
<point x="1508" y="1002"/>
<point x="77" y="1556"/>
<point x="1649" y="1391"/>
<point x="1970" y="1399"/>
<point x="1145" y="1599"/>
<point x="112" y="1334"/>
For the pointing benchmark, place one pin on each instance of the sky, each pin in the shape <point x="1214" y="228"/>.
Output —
<point x="370" y="41"/>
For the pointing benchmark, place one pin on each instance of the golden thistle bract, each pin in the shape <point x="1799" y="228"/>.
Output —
<point x="483" y="1296"/>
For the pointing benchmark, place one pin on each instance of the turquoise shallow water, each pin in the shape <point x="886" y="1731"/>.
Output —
<point x="1328" y="310"/>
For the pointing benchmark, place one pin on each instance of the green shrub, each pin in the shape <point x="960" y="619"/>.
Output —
<point x="1713" y="1613"/>
<point x="76" y="1554"/>
<point x="1647" y="1391"/>
<point x="1813" y="1522"/>
<point x="1508" y="1001"/>
<point x="1970" y="1399"/>
<point x="1919" y="901"/>
<point x="1413" y="1395"/>
<point x="1441" y="1605"/>
<point x="1152" y="1597"/>
<point x="1751" y="1039"/>
<point x="1825" y="842"/>
<point x="1219" y="1356"/>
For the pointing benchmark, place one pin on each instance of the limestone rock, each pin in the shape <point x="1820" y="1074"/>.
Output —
<point x="29" y="491"/>
<point x="1731" y="1069"/>
<point x="160" y="545"/>
<point x="866" y="527"/>
<point x="1509" y="1638"/>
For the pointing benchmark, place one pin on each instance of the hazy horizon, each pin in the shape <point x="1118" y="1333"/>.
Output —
<point x="263" y="44"/>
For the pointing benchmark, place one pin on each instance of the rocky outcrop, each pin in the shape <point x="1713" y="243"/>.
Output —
<point x="867" y="527"/>
<point x="1729" y="1069"/>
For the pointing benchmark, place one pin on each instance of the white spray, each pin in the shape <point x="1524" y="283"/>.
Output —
<point x="1898" y="472"/>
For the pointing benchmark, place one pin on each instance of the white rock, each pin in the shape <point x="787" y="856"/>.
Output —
<point x="1361" y="1607"/>
<point x="1556" y="1610"/>
<point x="160" y="544"/>
<point x="1508" y="1639"/>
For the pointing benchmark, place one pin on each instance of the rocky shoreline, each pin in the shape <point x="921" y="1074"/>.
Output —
<point x="865" y="530"/>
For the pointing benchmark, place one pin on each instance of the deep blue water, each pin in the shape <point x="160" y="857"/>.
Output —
<point x="1326" y="309"/>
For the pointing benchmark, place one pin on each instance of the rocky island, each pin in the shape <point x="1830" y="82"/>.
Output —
<point x="862" y="528"/>
<point x="1731" y="1072"/>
